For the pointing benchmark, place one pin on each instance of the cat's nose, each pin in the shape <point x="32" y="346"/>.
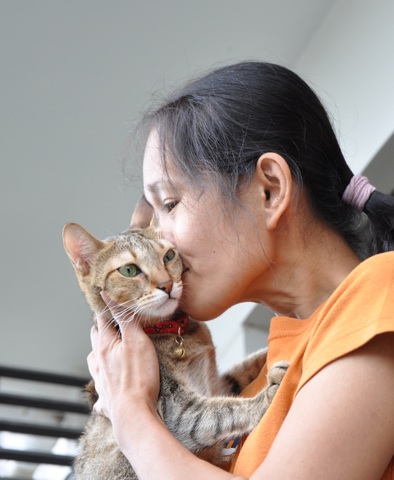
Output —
<point x="165" y="286"/>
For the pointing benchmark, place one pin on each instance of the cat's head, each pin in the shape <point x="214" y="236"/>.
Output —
<point x="137" y="269"/>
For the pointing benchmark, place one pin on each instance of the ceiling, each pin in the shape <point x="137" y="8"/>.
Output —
<point x="75" y="77"/>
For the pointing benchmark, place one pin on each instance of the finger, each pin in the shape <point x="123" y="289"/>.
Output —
<point x="92" y="364"/>
<point x="94" y="337"/>
<point x="114" y="308"/>
<point x="134" y="336"/>
<point x="102" y="324"/>
<point x="99" y="408"/>
<point x="120" y="314"/>
<point x="106" y="298"/>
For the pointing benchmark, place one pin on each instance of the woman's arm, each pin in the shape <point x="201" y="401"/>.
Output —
<point x="157" y="454"/>
<point x="341" y="424"/>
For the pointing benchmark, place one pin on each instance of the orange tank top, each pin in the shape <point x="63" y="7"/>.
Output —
<point x="358" y="310"/>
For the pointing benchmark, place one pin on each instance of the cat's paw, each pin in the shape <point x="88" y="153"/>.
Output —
<point x="277" y="372"/>
<point x="274" y="378"/>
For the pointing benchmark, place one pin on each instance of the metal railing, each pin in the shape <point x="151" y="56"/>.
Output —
<point x="42" y="403"/>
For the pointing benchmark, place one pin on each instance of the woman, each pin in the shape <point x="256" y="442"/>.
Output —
<point x="247" y="180"/>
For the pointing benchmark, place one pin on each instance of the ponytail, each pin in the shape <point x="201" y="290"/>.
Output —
<point x="380" y="211"/>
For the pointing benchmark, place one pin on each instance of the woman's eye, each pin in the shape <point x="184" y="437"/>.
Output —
<point x="167" y="207"/>
<point x="129" y="270"/>
<point x="169" y="256"/>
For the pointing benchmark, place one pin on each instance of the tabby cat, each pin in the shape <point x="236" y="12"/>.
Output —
<point x="142" y="273"/>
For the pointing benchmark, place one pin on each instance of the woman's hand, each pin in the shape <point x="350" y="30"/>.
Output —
<point x="126" y="373"/>
<point x="124" y="367"/>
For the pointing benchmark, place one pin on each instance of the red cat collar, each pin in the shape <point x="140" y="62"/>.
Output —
<point x="176" y="326"/>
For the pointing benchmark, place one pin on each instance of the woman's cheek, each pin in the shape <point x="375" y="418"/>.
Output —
<point x="201" y="299"/>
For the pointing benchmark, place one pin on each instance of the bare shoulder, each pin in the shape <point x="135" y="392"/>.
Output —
<point x="341" y="423"/>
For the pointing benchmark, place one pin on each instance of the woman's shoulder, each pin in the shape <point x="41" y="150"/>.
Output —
<point x="361" y="308"/>
<point x="380" y="263"/>
<point x="372" y="274"/>
<point x="367" y="292"/>
<point x="363" y="305"/>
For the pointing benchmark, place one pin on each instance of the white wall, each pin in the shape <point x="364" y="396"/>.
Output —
<point x="351" y="61"/>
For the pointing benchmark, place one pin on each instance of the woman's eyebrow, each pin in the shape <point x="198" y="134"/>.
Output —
<point x="162" y="184"/>
<point x="152" y="189"/>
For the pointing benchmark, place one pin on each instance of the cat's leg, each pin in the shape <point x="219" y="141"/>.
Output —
<point x="202" y="422"/>
<point x="99" y="457"/>
<point x="241" y="374"/>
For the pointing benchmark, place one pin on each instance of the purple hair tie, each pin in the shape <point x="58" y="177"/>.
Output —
<point x="358" y="192"/>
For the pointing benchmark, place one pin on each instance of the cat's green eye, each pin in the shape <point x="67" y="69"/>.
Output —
<point x="129" y="270"/>
<point x="169" y="256"/>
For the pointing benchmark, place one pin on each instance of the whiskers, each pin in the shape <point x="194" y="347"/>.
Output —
<point x="130" y="312"/>
<point x="124" y="314"/>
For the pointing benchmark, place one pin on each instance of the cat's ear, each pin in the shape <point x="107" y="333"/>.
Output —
<point x="80" y="246"/>
<point x="143" y="215"/>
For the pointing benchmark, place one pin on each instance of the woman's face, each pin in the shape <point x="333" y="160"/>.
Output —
<point x="221" y="245"/>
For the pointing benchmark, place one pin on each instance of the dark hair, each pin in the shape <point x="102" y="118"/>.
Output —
<point x="220" y="124"/>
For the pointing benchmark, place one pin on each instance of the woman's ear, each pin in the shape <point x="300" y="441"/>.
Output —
<point x="276" y="184"/>
<point x="143" y="215"/>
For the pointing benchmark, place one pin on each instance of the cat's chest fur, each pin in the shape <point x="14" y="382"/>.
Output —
<point x="197" y="369"/>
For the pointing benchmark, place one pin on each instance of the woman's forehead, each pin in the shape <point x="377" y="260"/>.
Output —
<point x="153" y="169"/>
<point x="159" y="174"/>
<point x="152" y="152"/>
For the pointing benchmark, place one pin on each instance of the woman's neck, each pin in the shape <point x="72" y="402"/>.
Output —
<point x="306" y="271"/>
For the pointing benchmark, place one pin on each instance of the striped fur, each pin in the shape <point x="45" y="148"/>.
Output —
<point x="196" y="403"/>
